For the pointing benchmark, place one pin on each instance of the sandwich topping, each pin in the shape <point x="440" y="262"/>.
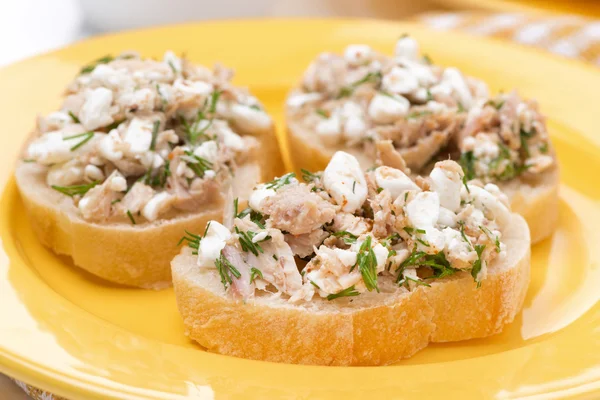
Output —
<point x="428" y="112"/>
<point x="141" y="139"/>
<point x="344" y="231"/>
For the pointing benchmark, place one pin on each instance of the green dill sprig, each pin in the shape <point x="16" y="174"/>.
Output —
<point x="131" y="217"/>
<point x="479" y="248"/>
<point x="497" y="105"/>
<point x="278" y="183"/>
<point x="464" y="235"/>
<point x="322" y="113"/>
<point x="348" y="292"/>
<point x="157" y="177"/>
<point x="410" y="230"/>
<point x="226" y="270"/>
<point x="367" y="265"/>
<point x="543" y="148"/>
<point x="255" y="216"/>
<point x="74" y="117"/>
<point x="75" y="190"/>
<point x="155" y="128"/>
<point x="254" y="273"/>
<point x="467" y="162"/>
<point x="86" y="138"/>
<point x="197" y="164"/>
<point x="192" y="131"/>
<point x="406" y="279"/>
<point x="490" y="236"/>
<point x="437" y="262"/>
<point x="91" y="66"/>
<point x="347" y="237"/>
<point x="524" y="136"/>
<point x="193" y="241"/>
<point x="245" y="239"/>
<point x="418" y="114"/>
<point x="308" y="176"/>
<point x="371" y="77"/>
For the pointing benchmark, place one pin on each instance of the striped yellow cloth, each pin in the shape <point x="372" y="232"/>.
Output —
<point x="566" y="35"/>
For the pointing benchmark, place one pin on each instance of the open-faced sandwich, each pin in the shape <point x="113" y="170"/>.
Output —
<point x="139" y="151"/>
<point x="353" y="267"/>
<point x="369" y="104"/>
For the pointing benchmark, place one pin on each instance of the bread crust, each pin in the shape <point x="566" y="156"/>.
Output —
<point x="122" y="253"/>
<point x="371" y="329"/>
<point x="536" y="201"/>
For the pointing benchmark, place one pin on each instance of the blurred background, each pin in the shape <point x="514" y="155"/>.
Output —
<point x="35" y="26"/>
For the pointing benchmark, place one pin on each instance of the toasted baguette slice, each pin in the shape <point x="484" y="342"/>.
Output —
<point x="370" y="329"/>
<point x="134" y="255"/>
<point x="536" y="201"/>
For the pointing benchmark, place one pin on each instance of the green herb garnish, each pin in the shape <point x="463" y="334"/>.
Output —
<point x="192" y="240"/>
<point x="371" y="77"/>
<point x="322" y="113"/>
<point x="130" y="217"/>
<point x="226" y="270"/>
<point x="367" y="264"/>
<point x="493" y="238"/>
<point x="91" y="66"/>
<point x="254" y="273"/>
<point x="277" y="183"/>
<point x="75" y="190"/>
<point x="74" y="117"/>
<point x="155" y="128"/>
<point x="477" y="264"/>
<point x="467" y="162"/>
<point x="348" y="292"/>
<point x="197" y="164"/>
<point x="86" y="138"/>
<point x="347" y="237"/>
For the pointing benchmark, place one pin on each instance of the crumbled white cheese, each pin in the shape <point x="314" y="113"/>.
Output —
<point x="358" y="54"/>
<point x="400" y="80"/>
<point x="260" y="236"/>
<point x="212" y="243"/>
<point x="258" y="195"/>
<point x="139" y="135"/>
<point x="407" y="48"/>
<point x="93" y="173"/>
<point x="386" y="109"/>
<point x="52" y="148"/>
<point x="250" y="119"/>
<point x="189" y="88"/>
<point x="138" y="100"/>
<point x="95" y="112"/>
<point x="394" y="180"/>
<point x="107" y="146"/>
<point x="447" y="184"/>
<point x="423" y="211"/>
<point x="208" y="150"/>
<point x="65" y="174"/>
<point x="330" y="129"/>
<point x="488" y="203"/>
<point x="118" y="183"/>
<point x="157" y="204"/>
<point x="345" y="181"/>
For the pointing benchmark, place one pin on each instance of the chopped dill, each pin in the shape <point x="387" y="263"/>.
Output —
<point x="75" y="190"/>
<point x="130" y="217"/>
<point x="348" y="292"/>
<point x="86" y="138"/>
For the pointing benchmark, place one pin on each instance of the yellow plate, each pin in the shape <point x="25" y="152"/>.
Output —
<point x="70" y="333"/>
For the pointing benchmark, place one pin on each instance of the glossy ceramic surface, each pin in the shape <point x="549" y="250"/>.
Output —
<point x="74" y="335"/>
